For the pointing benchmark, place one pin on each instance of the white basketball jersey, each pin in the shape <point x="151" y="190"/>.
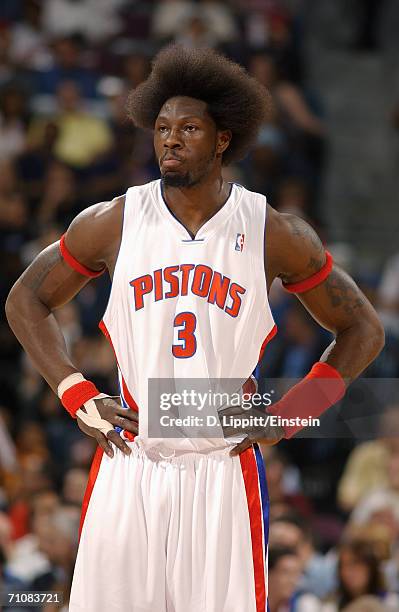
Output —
<point x="187" y="308"/>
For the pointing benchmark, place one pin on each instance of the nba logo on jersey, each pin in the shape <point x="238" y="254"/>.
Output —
<point x="239" y="242"/>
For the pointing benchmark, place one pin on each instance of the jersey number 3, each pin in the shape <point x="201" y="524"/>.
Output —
<point x="185" y="341"/>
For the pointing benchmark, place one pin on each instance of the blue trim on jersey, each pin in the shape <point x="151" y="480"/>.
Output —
<point x="124" y="403"/>
<point x="263" y="491"/>
<point x="264" y="496"/>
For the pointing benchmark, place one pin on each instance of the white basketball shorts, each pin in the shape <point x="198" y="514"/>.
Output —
<point x="182" y="534"/>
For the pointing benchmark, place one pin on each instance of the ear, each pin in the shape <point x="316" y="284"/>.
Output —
<point x="223" y="141"/>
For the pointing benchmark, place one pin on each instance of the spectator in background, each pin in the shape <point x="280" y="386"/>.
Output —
<point x="195" y="33"/>
<point x="303" y="342"/>
<point x="359" y="574"/>
<point x="301" y="132"/>
<point x="292" y="197"/>
<point x="58" y="539"/>
<point x="74" y="486"/>
<point x="367" y="466"/>
<point x="34" y="475"/>
<point x="13" y="122"/>
<point x="317" y="570"/>
<point x="8" y="181"/>
<point x="13" y="211"/>
<point x="209" y="23"/>
<point x="29" y="43"/>
<point x="220" y="19"/>
<point x="284" y="486"/>
<point x="381" y="504"/>
<point x="378" y="536"/>
<point x="60" y="202"/>
<point x="168" y="17"/>
<point x="8" y="456"/>
<point x="25" y="561"/>
<point x="288" y="97"/>
<point x="95" y="20"/>
<point x="136" y="68"/>
<point x="68" y="66"/>
<point x="264" y="167"/>
<point x="366" y="604"/>
<point x="272" y="26"/>
<point x="81" y="137"/>
<point x="284" y="575"/>
<point x="44" y="556"/>
<point x="7" y="580"/>
<point x="13" y="235"/>
<point x="32" y="165"/>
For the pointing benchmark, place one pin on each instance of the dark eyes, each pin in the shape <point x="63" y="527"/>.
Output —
<point x="187" y="128"/>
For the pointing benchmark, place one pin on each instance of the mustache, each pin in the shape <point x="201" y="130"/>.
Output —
<point x="170" y="156"/>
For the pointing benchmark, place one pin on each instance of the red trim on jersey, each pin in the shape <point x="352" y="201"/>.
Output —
<point x="126" y="393"/>
<point x="251" y="481"/>
<point x="95" y="467"/>
<point x="129" y="399"/>
<point x="269" y="337"/>
<point x="73" y="398"/>
<point x="75" y="264"/>
<point x="312" y="281"/>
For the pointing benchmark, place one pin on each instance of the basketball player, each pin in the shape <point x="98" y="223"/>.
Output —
<point x="181" y="524"/>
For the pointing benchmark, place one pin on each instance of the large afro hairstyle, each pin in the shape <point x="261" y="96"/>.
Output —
<point x="235" y="100"/>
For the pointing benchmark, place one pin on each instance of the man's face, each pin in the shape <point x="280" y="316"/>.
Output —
<point x="186" y="141"/>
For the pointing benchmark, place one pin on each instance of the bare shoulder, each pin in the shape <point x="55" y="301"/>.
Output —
<point x="294" y="250"/>
<point x="94" y="235"/>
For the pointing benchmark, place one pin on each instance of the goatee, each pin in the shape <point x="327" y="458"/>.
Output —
<point x="177" y="180"/>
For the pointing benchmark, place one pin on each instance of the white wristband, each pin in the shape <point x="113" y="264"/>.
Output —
<point x="69" y="382"/>
<point x="91" y="417"/>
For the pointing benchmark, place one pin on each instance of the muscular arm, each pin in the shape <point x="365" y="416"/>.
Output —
<point x="48" y="283"/>
<point x="295" y="252"/>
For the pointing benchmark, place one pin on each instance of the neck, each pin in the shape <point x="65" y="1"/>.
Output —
<point x="193" y="206"/>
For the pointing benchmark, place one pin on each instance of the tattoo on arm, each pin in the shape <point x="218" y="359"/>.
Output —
<point x="34" y="276"/>
<point x="343" y="294"/>
<point x="315" y="264"/>
<point x="308" y="240"/>
<point x="306" y="232"/>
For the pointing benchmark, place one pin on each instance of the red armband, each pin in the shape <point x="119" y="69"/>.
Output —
<point x="320" y="389"/>
<point x="75" y="264"/>
<point x="73" y="398"/>
<point x="312" y="281"/>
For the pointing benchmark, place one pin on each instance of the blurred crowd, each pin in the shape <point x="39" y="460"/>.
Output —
<point x="66" y="67"/>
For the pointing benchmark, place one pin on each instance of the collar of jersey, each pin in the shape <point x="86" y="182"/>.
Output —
<point x="209" y="227"/>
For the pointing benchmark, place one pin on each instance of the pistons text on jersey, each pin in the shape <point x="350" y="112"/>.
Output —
<point x="199" y="279"/>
